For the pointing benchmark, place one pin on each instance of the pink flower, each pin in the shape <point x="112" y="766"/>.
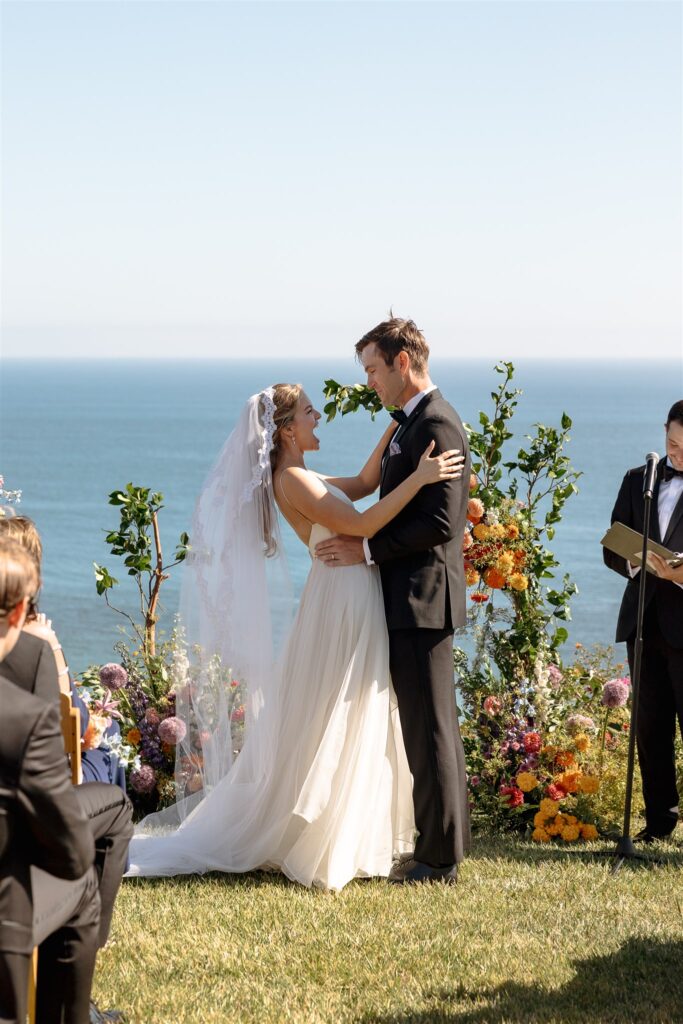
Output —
<point x="532" y="742"/>
<point x="475" y="780"/>
<point x="555" y="792"/>
<point x="615" y="693"/>
<point x="143" y="779"/>
<point x="172" y="730"/>
<point x="467" y="541"/>
<point x="238" y="714"/>
<point x="113" y="676"/>
<point x="554" y="676"/>
<point x="107" y="707"/>
<point x="152" y="716"/>
<point x="492" y="705"/>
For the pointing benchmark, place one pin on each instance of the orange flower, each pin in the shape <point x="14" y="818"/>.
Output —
<point x="565" y="758"/>
<point x="589" y="832"/>
<point x="582" y="742"/>
<point x="471" y="577"/>
<point x="494" y="579"/>
<point x="569" y="781"/>
<point x="133" y="736"/>
<point x="473" y="482"/>
<point x="475" y="508"/>
<point x="540" y="835"/>
<point x="479" y="597"/>
<point x="570" y="833"/>
<point x="512" y="531"/>
<point x="519" y="557"/>
<point x="505" y="563"/>
<point x="467" y="541"/>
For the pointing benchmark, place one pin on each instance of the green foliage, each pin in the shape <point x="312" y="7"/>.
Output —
<point x="137" y="541"/>
<point x="346" y="398"/>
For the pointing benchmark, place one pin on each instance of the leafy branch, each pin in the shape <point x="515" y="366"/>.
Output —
<point x="138" y="541"/>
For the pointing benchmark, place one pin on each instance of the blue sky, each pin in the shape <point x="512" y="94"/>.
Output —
<point x="218" y="178"/>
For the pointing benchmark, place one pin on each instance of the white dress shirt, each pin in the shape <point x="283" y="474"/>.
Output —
<point x="411" y="404"/>
<point x="667" y="499"/>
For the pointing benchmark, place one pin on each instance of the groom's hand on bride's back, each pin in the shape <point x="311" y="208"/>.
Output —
<point x="340" y="550"/>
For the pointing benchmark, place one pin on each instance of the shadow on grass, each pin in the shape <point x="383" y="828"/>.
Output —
<point x="246" y="880"/>
<point x="641" y="983"/>
<point x="521" y="851"/>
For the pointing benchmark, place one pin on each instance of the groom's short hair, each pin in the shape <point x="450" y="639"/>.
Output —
<point x="675" y="414"/>
<point x="395" y="335"/>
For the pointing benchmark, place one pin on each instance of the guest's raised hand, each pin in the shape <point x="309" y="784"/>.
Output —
<point x="447" y="466"/>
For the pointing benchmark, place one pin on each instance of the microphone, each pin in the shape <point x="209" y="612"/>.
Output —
<point x="651" y="461"/>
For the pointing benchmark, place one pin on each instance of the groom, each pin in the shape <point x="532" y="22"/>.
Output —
<point x="419" y="554"/>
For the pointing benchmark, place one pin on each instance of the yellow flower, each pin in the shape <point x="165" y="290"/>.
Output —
<point x="496" y="531"/>
<point x="539" y="835"/>
<point x="480" y="531"/>
<point x="518" y="581"/>
<point x="589" y="784"/>
<point x="549" y="751"/>
<point x="589" y="832"/>
<point x="527" y="781"/>
<point x="570" y="833"/>
<point x="505" y="564"/>
<point x="471" y="577"/>
<point x="549" y="807"/>
<point x="582" y="742"/>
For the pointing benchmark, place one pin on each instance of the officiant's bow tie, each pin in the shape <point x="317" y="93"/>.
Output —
<point x="669" y="471"/>
<point x="398" y="415"/>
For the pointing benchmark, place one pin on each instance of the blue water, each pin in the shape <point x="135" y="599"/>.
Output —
<point x="71" y="432"/>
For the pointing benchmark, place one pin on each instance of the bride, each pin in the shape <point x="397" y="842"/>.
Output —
<point x="321" y="789"/>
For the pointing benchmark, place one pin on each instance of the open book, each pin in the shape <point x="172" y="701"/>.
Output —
<point x="628" y="543"/>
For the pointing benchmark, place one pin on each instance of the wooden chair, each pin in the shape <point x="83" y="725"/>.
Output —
<point x="71" y="734"/>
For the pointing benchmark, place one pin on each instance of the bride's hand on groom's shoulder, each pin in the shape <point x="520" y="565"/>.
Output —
<point x="447" y="466"/>
<point x="340" y="550"/>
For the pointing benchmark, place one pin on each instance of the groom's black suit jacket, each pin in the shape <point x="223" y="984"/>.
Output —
<point x="667" y="596"/>
<point x="419" y="553"/>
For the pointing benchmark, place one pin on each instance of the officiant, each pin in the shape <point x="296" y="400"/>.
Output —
<point x="661" y="680"/>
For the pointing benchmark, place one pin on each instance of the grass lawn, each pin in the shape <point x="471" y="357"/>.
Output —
<point x="529" y="934"/>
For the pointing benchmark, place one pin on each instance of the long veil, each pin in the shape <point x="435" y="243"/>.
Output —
<point x="236" y="599"/>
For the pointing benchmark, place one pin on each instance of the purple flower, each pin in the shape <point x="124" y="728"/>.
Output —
<point x="554" y="676"/>
<point x="143" y="779"/>
<point x="172" y="730"/>
<point x="615" y="693"/>
<point x="113" y="676"/>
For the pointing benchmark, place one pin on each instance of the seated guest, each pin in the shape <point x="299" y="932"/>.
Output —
<point x="105" y="807"/>
<point x="37" y="662"/>
<point x="48" y="885"/>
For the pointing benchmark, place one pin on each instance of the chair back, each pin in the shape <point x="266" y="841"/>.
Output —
<point x="71" y="732"/>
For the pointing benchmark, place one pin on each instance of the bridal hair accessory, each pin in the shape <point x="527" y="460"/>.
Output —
<point x="262" y="466"/>
<point x="7" y="499"/>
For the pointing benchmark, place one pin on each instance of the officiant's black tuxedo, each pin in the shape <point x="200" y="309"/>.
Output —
<point x="661" y="682"/>
<point x="419" y="554"/>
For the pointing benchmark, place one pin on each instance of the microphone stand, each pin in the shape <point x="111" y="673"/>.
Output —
<point x="625" y="849"/>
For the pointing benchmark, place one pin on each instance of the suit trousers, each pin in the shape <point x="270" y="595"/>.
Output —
<point x="421" y="662"/>
<point x="66" y="924"/>
<point x="660" y="703"/>
<point x="111" y="819"/>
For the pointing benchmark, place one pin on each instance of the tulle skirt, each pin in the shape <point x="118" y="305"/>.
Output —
<point x="330" y="799"/>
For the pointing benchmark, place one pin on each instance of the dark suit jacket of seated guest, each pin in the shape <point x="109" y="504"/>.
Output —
<point x="41" y="821"/>
<point x="31" y="666"/>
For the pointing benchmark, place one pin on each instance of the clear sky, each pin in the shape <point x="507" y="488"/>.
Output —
<point x="219" y="178"/>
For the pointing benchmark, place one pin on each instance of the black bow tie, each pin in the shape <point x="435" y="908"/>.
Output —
<point x="398" y="415"/>
<point x="669" y="473"/>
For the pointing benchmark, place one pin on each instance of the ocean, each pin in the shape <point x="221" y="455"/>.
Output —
<point x="73" y="431"/>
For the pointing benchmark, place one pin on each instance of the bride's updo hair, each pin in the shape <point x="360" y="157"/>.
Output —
<point x="286" y="398"/>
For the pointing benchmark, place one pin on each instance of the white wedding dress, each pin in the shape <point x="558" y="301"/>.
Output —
<point x="336" y="800"/>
